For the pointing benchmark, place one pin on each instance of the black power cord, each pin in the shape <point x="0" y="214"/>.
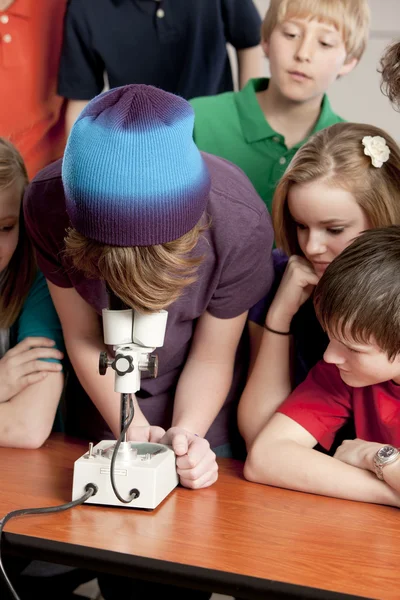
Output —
<point x="90" y="490"/>
<point x="133" y="493"/>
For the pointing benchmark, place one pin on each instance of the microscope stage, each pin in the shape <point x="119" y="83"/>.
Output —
<point x="143" y="466"/>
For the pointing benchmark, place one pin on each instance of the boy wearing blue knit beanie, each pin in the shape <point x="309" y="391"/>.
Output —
<point x="135" y="206"/>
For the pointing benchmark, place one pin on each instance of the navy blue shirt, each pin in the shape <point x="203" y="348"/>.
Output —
<point x="177" y="45"/>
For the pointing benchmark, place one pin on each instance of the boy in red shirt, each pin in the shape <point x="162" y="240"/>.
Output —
<point x="357" y="301"/>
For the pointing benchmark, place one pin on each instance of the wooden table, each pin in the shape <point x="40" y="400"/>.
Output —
<point x="236" y="537"/>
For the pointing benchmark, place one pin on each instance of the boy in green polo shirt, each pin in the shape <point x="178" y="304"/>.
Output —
<point x="261" y="127"/>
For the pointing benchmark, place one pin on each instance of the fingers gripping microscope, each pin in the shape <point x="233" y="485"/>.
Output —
<point x="133" y="474"/>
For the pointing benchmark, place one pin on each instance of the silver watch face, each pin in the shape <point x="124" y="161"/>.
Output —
<point x="386" y="452"/>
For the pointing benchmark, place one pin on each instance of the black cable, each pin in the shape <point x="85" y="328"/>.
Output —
<point x="91" y="490"/>
<point x="133" y="493"/>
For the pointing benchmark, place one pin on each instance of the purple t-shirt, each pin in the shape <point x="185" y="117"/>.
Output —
<point x="236" y="272"/>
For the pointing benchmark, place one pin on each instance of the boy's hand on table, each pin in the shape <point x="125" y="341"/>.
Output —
<point x="196" y="463"/>
<point x="358" y="453"/>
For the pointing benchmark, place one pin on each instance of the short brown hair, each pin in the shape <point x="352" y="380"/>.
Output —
<point x="350" y="17"/>
<point x="20" y="273"/>
<point x="358" y="296"/>
<point x="145" y="278"/>
<point x="335" y="155"/>
<point x="390" y="71"/>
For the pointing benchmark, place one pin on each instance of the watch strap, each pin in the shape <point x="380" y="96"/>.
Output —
<point x="379" y="463"/>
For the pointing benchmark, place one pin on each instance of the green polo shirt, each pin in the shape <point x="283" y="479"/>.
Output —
<point x="232" y="125"/>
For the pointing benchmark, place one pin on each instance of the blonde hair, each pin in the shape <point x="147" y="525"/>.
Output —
<point x="20" y="272"/>
<point x="145" y="278"/>
<point x="350" y="17"/>
<point x="335" y="155"/>
<point x="390" y="71"/>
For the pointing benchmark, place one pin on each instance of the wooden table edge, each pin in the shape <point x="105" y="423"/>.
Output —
<point x="160" y="571"/>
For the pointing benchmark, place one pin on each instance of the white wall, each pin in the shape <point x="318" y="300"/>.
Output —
<point x="357" y="97"/>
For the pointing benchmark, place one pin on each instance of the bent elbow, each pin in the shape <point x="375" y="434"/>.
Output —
<point x="31" y="440"/>
<point x="249" y="471"/>
<point x="37" y="438"/>
<point x="34" y="443"/>
<point x="255" y="467"/>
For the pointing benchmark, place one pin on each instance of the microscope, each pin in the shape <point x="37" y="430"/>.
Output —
<point x="133" y="474"/>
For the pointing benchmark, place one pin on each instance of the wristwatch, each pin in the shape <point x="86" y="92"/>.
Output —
<point x="385" y="456"/>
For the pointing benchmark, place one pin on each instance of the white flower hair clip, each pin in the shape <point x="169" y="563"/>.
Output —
<point x="377" y="148"/>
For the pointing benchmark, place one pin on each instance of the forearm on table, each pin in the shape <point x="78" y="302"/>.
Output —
<point x="26" y="420"/>
<point x="84" y="356"/>
<point x="287" y="464"/>
<point x="200" y="395"/>
<point x="268" y="385"/>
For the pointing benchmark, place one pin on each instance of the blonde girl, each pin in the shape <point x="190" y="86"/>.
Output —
<point x="344" y="180"/>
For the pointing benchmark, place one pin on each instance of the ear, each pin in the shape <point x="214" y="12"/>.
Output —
<point x="265" y="47"/>
<point x="348" y="67"/>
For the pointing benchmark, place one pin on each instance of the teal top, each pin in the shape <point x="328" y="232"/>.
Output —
<point x="38" y="318"/>
<point x="233" y="126"/>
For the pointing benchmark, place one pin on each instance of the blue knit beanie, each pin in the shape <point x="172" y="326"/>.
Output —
<point x="131" y="172"/>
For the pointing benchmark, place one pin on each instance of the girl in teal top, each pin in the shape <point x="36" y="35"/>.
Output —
<point x="31" y="378"/>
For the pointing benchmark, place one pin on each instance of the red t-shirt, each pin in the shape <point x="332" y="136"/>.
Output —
<point x="31" y="112"/>
<point x="323" y="403"/>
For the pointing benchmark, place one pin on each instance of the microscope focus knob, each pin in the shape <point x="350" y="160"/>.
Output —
<point x="152" y="366"/>
<point x="122" y="364"/>
<point x="103" y="363"/>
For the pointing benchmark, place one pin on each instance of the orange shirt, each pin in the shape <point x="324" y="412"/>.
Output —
<point x="31" y="113"/>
